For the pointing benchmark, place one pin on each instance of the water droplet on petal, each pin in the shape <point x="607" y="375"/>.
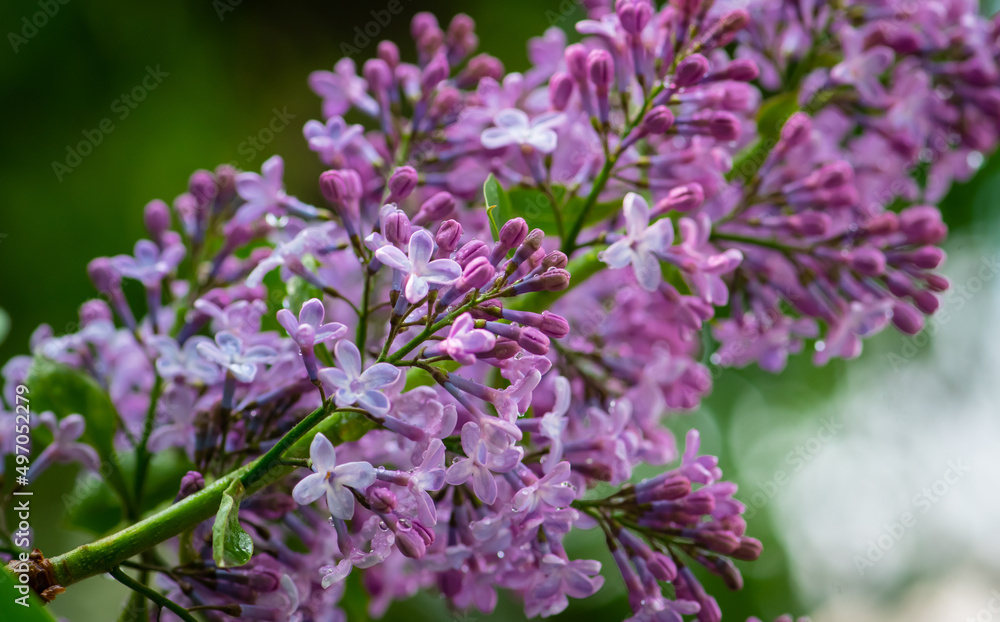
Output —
<point x="383" y="526"/>
<point x="332" y="521"/>
<point x="405" y="523"/>
<point x="820" y="346"/>
<point x="381" y="469"/>
<point x="500" y="554"/>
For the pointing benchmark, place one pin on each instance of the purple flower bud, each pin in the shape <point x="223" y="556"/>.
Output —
<point x="434" y="73"/>
<point x="742" y="70"/>
<point x="503" y="350"/>
<point x="423" y="23"/>
<point x="397" y="228"/>
<point x="481" y="66"/>
<point x="681" y="199"/>
<point x="936" y="282"/>
<point x="633" y="15"/>
<point x="532" y="242"/>
<point x="446" y="103"/>
<point x="202" y="187"/>
<point x="725" y="30"/>
<point x="691" y="70"/>
<point x="402" y="183"/>
<point x="749" y="549"/>
<point x="560" y="90"/>
<point x="809" y="223"/>
<point x="922" y="225"/>
<point x="552" y="280"/>
<point x="340" y="188"/>
<point x="388" y="52"/>
<point x="381" y="499"/>
<point x="899" y="284"/>
<point x="907" y="319"/>
<point x="448" y="236"/>
<point x="867" y="261"/>
<point x="378" y="73"/>
<point x="657" y="121"/>
<point x="927" y="257"/>
<point x="926" y="301"/>
<point x="438" y="207"/>
<point x="333" y="186"/>
<point x="95" y="311"/>
<point x="477" y="274"/>
<point x="555" y="326"/>
<point x="795" y="131"/>
<point x="717" y="541"/>
<point x="513" y="232"/>
<point x="600" y="68"/>
<point x="724" y="126"/>
<point x="555" y="259"/>
<point x="156" y="217"/>
<point x="470" y="251"/>
<point x="576" y="62"/>
<point x="884" y="224"/>
<point x="103" y="275"/>
<point x="192" y="482"/>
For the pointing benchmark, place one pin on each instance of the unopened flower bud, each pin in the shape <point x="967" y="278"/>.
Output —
<point x="438" y="207"/>
<point x="867" y="261"/>
<point x="156" y="217"/>
<point x="397" y="228"/>
<point x="402" y="183"/>
<point x="691" y="70"/>
<point x="657" y="121"/>
<point x="560" y="90"/>
<point x="600" y="68"/>
<point x="907" y="319"/>
<point x="681" y="199"/>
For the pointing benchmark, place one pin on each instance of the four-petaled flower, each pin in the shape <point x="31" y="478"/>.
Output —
<point x="353" y="386"/>
<point x="341" y="88"/>
<point x="309" y="330"/>
<point x="480" y="464"/>
<point x="265" y="194"/>
<point x="641" y="244"/>
<point x="420" y="270"/>
<point x="332" y="480"/>
<point x="228" y="352"/>
<point x="514" y="128"/>
<point x="149" y="264"/>
<point x="64" y="447"/>
<point x="464" y="341"/>
<point x="332" y="138"/>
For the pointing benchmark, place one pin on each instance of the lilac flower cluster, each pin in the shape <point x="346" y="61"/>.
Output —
<point x="467" y="375"/>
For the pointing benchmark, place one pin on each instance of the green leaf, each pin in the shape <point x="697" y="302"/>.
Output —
<point x="231" y="546"/>
<point x="417" y="377"/>
<point x="496" y="199"/>
<point x="66" y="391"/>
<point x="4" y="325"/>
<point x="298" y="290"/>
<point x="770" y="120"/>
<point x="93" y="506"/>
<point x="535" y="207"/>
<point x="23" y="607"/>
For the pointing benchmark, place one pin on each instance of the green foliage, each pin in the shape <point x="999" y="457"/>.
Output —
<point x="231" y="546"/>
<point x="536" y="207"/>
<point x="65" y="391"/>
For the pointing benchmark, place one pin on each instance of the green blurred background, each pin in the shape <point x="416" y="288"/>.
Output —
<point x="229" y="65"/>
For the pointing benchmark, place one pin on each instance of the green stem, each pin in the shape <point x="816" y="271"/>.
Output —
<point x="151" y="594"/>
<point x="361" y="337"/>
<point x="569" y="242"/>
<point x="142" y="453"/>
<point x="101" y="556"/>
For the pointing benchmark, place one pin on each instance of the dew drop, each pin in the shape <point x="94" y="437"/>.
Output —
<point x="381" y="469"/>
<point x="383" y="526"/>
<point x="500" y="554"/>
<point x="820" y="346"/>
<point x="331" y="520"/>
<point x="975" y="159"/>
<point x="715" y="359"/>
<point x="405" y="523"/>
<point x="455" y="459"/>
<point x="465" y="567"/>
